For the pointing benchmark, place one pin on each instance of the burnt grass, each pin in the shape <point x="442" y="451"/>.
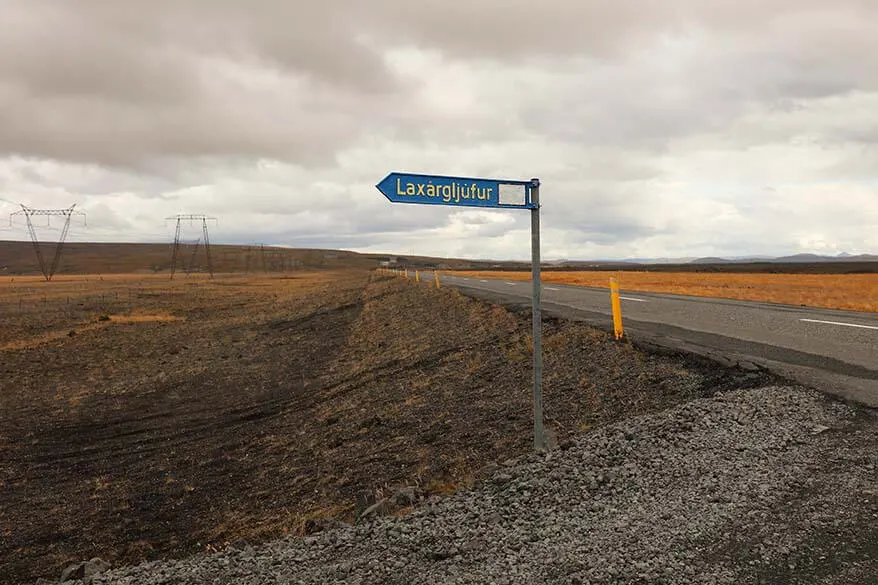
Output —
<point x="264" y="415"/>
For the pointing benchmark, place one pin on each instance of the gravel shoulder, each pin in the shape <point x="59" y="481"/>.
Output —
<point x="769" y="485"/>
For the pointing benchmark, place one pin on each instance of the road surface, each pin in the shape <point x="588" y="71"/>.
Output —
<point x="834" y="351"/>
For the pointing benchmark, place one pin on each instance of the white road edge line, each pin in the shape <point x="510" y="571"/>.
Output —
<point x="633" y="299"/>
<point x="552" y="288"/>
<point x="839" y="323"/>
<point x="511" y="283"/>
<point x="482" y="280"/>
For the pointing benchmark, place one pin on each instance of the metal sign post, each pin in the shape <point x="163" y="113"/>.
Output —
<point x="539" y="436"/>
<point x="485" y="193"/>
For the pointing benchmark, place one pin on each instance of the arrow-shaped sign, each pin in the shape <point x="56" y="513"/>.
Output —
<point x="457" y="191"/>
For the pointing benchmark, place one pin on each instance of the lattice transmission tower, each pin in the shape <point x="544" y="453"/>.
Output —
<point x="175" y="254"/>
<point x="48" y="270"/>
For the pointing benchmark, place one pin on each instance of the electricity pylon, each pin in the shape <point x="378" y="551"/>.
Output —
<point x="206" y="239"/>
<point x="67" y="214"/>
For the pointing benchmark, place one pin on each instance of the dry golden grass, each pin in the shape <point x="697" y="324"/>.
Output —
<point x="857" y="292"/>
<point x="47" y="337"/>
<point x="52" y="336"/>
<point x="143" y="318"/>
<point x="35" y="312"/>
<point x="122" y="286"/>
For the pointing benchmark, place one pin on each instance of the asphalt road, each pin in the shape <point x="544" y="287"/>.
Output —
<point x="833" y="351"/>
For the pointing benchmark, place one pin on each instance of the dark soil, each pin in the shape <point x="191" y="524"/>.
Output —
<point x="264" y="413"/>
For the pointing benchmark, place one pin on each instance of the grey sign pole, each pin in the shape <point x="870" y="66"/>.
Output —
<point x="539" y="439"/>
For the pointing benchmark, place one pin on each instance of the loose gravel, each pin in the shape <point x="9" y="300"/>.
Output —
<point x="773" y="485"/>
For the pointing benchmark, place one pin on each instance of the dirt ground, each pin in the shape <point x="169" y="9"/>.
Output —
<point x="144" y="419"/>
<point x="856" y="292"/>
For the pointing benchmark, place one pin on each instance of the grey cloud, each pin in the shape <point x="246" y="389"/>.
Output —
<point x="88" y="179"/>
<point x="185" y="104"/>
<point x="602" y="215"/>
<point x="117" y="134"/>
<point x="97" y="81"/>
<point x="52" y="49"/>
<point x="858" y="165"/>
<point x="105" y="218"/>
<point x="616" y="232"/>
<point x="502" y="29"/>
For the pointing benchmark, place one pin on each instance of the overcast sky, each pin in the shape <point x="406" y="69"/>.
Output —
<point x="672" y="128"/>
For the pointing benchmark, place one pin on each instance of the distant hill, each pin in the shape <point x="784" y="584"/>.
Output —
<point x="818" y="258"/>
<point x="795" y="258"/>
<point x="658" y="260"/>
<point x="711" y="260"/>
<point x="108" y="258"/>
<point x="121" y="258"/>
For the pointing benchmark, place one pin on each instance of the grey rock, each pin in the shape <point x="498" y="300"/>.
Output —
<point x="407" y="496"/>
<point x="315" y="525"/>
<point x="96" y="566"/>
<point x="379" y="508"/>
<point x="502" y="478"/>
<point x="73" y="572"/>
<point x="485" y="472"/>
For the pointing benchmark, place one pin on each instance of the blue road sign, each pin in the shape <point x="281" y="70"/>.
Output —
<point x="457" y="191"/>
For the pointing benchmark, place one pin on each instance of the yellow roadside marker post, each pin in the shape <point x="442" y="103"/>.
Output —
<point x="417" y="276"/>
<point x="436" y="277"/>
<point x="617" y="309"/>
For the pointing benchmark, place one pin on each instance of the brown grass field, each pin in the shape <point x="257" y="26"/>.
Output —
<point x="856" y="292"/>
